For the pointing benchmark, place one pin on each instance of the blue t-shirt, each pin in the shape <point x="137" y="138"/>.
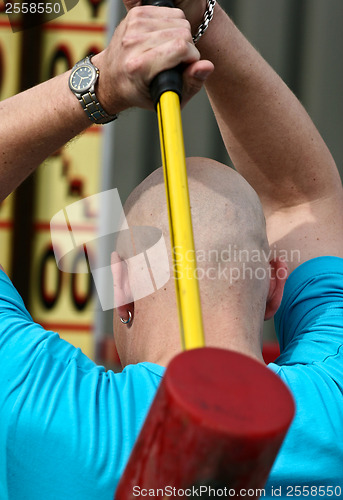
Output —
<point x="309" y="325"/>
<point x="67" y="426"/>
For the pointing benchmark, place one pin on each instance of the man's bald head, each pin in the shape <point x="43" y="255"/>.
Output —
<point x="227" y="215"/>
<point x="230" y="243"/>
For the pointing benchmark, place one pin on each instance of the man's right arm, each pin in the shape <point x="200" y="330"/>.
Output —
<point x="272" y="142"/>
<point x="274" y="145"/>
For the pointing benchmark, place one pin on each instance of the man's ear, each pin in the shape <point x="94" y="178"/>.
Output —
<point x="123" y="301"/>
<point x="278" y="277"/>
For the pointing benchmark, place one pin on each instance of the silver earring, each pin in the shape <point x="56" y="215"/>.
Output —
<point x="126" y="321"/>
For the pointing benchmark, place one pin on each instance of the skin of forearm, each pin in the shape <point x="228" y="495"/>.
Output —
<point x="37" y="122"/>
<point x="268" y="134"/>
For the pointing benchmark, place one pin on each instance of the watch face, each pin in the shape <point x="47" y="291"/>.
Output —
<point x="82" y="78"/>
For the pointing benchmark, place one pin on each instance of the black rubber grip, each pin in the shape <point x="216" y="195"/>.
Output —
<point x="159" y="3"/>
<point x="171" y="79"/>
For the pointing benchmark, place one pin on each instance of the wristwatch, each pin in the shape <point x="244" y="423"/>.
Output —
<point x="82" y="83"/>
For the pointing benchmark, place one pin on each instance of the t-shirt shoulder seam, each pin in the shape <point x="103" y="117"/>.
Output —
<point x="155" y="372"/>
<point x="71" y="359"/>
<point x="312" y="363"/>
<point x="328" y="356"/>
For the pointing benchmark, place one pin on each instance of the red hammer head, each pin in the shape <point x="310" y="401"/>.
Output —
<point x="219" y="417"/>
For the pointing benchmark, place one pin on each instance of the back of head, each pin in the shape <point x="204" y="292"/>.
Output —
<point x="232" y="259"/>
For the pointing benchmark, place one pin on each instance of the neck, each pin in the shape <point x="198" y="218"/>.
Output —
<point x="236" y="333"/>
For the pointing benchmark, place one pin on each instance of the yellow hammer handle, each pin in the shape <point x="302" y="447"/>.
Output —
<point x="180" y="221"/>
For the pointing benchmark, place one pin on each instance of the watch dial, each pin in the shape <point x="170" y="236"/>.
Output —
<point x="82" y="78"/>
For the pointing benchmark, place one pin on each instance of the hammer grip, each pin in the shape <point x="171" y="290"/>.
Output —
<point x="170" y="79"/>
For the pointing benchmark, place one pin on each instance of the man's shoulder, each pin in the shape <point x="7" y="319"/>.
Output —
<point x="309" y="323"/>
<point x="315" y="283"/>
<point x="10" y="299"/>
<point x="318" y="266"/>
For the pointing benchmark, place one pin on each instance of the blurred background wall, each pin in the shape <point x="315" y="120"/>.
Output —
<point x="301" y="39"/>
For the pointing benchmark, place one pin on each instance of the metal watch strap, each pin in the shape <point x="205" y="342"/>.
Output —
<point x="94" y="110"/>
<point x="90" y="102"/>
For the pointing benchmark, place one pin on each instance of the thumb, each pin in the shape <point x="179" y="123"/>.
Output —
<point x="194" y="77"/>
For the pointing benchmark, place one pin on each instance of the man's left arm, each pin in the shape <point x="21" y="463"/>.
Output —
<point x="37" y="122"/>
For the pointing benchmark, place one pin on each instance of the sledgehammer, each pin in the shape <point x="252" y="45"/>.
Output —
<point x="218" y="418"/>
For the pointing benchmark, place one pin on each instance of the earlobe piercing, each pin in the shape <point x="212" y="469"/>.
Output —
<point x="126" y="321"/>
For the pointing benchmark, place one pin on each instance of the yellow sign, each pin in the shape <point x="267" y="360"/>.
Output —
<point x="64" y="302"/>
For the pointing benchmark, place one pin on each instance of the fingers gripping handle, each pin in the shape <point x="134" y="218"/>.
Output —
<point x="171" y="79"/>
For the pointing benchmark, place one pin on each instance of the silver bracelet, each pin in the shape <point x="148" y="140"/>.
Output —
<point x="208" y="16"/>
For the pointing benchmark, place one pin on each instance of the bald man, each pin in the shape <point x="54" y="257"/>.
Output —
<point x="67" y="426"/>
<point x="234" y="268"/>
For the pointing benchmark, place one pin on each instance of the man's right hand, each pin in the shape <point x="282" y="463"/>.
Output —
<point x="148" y="41"/>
